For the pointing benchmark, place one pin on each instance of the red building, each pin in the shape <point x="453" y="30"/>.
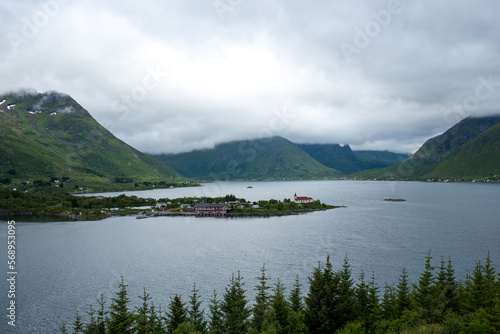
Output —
<point x="211" y="209"/>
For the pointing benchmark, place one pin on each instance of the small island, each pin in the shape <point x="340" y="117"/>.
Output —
<point x="395" y="200"/>
<point x="230" y="206"/>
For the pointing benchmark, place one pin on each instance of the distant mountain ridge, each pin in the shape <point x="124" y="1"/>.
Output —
<point x="45" y="135"/>
<point x="263" y="159"/>
<point x="348" y="161"/>
<point x="467" y="150"/>
<point x="275" y="158"/>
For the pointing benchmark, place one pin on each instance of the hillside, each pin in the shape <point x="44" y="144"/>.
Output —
<point x="467" y="150"/>
<point x="50" y="135"/>
<point x="347" y="161"/>
<point x="478" y="158"/>
<point x="264" y="159"/>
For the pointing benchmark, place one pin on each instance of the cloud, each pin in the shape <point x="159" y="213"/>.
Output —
<point x="177" y="76"/>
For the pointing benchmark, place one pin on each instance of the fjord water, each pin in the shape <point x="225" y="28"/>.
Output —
<point x="65" y="266"/>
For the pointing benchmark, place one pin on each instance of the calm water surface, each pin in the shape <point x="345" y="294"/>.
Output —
<point x="64" y="266"/>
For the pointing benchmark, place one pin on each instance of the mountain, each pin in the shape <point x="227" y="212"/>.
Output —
<point x="347" y="161"/>
<point x="467" y="150"/>
<point x="268" y="158"/>
<point x="50" y="135"/>
<point x="478" y="158"/>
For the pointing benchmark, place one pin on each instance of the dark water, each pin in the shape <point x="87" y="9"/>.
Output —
<point x="65" y="266"/>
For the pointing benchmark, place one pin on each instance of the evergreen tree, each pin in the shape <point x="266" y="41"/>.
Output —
<point x="101" y="316"/>
<point x="403" y="294"/>
<point x="427" y="293"/>
<point x="154" y="320"/>
<point x="295" y="299"/>
<point x="490" y="287"/>
<point x="345" y="312"/>
<point x="92" y="325"/>
<point x="322" y="300"/>
<point x="280" y="306"/>
<point x="63" y="329"/>
<point x="234" y="308"/>
<point x="142" y="323"/>
<point x="389" y="303"/>
<point x="448" y="286"/>
<point x="186" y="328"/>
<point x="270" y="324"/>
<point x="77" y="324"/>
<point x="374" y="306"/>
<point x="261" y="300"/>
<point x="176" y="314"/>
<point x="120" y="318"/>
<point x="196" y="314"/>
<point x="362" y="299"/>
<point x="215" y="321"/>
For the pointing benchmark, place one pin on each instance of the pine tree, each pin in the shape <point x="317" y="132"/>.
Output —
<point x="270" y="325"/>
<point x="345" y="312"/>
<point x="389" y="303"/>
<point x="448" y="286"/>
<point x="280" y="306"/>
<point x="362" y="299"/>
<point x="215" y="321"/>
<point x="186" y="328"/>
<point x="101" y="316"/>
<point x="154" y="319"/>
<point x="196" y="314"/>
<point x="77" y="324"/>
<point x="92" y="325"/>
<point x="322" y="300"/>
<point x="142" y="324"/>
<point x="403" y="294"/>
<point x="120" y="318"/>
<point x="374" y="305"/>
<point x="427" y="293"/>
<point x="490" y="287"/>
<point x="295" y="299"/>
<point x="63" y="329"/>
<point x="235" y="312"/>
<point x="176" y="314"/>
<point x="261" y="300"/>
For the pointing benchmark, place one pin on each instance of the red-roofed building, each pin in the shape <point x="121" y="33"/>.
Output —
<point x="302" y="199"/>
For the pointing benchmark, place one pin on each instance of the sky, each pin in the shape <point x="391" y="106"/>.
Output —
<point x="173" y="76"/>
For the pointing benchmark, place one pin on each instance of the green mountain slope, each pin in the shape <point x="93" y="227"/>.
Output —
<point x="347" y="161"/>
<point x="432" y="160"/>
<point x="269" y="158"/>
<point x="478" y="158"/>
<point x="51" y="135"/>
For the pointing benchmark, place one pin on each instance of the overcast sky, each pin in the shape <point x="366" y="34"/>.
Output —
<point x="172" y="76"/>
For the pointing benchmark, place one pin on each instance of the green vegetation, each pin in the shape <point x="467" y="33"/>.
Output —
<point x="50" y="135"/>
<point x="262" y="159"/>
<point x="63" y="204"/>
<point x="99" y="207"/>
<point x="242" y="207"/>
<point x="469" y="150"/>
<point x="335" y="303"/>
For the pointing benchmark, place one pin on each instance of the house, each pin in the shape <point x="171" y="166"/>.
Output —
<point x="161" y="206"/>
<point x="302" y="199"/>
<point x="211" y="209"/>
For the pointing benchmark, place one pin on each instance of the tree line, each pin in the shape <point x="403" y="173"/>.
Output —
<point x="437" y="303"/>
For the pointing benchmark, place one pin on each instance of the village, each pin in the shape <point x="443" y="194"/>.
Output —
<point x="230" y="206"/>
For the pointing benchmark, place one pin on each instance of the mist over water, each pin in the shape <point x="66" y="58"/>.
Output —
<point x="65" y="265"/>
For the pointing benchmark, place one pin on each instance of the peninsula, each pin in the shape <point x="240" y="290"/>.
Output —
<point x="101" y="207"/>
